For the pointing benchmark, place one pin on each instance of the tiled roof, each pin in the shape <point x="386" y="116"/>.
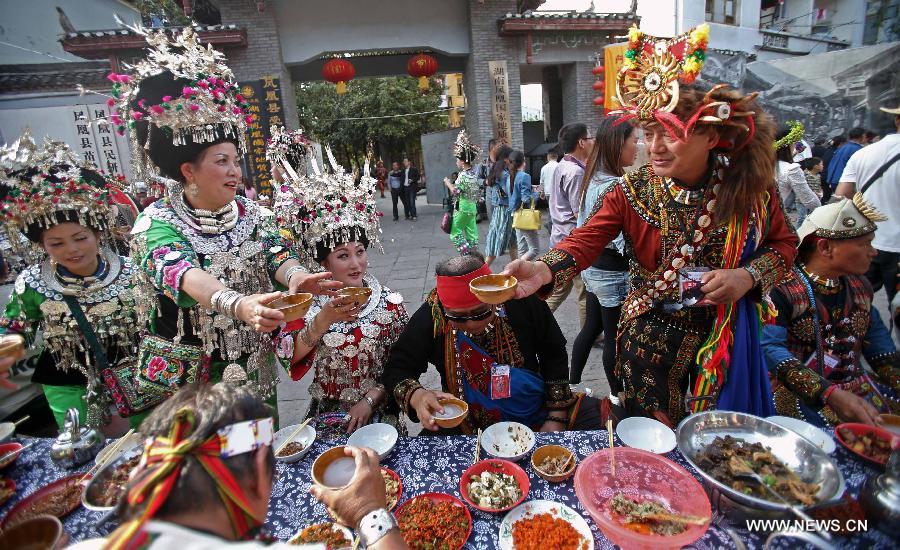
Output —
<point x="536" y="21"/>
<point x="569" y="15"/>
<point x="129" y="32"/>
<point x="49" y="77"/>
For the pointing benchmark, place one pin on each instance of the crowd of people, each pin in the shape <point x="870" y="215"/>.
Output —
<point x="716" y="275"/>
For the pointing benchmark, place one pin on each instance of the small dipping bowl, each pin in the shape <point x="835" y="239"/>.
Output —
<point x="552" y="451"/>
<point x="494" y="289"/>
<point x="333" y="468"/>
<point x="40" y="532"/>
<point x="306" y="437"/>
<point x="455" y="411"/>
<point x="11" y="344"/>
<point x="294" y="306"/>
<point x="360" y="294"/>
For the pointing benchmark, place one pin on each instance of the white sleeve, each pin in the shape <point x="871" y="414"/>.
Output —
<point x="851" y="169"/>
<point x="802" y="190"/>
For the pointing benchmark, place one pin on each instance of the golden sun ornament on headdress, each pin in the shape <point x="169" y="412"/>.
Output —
<point x="648" y="85"/>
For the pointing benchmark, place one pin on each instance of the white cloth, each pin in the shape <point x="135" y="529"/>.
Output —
<point x="884" y="194"/>
<point x="406" y="177"/>
<point x="547" y="176"/>
<point x="805" y="153"/>
<point x="166" y="536"/>
<point x="793" y="188"/>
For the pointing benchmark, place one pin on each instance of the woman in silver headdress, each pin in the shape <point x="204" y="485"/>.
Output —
<point x="344" y="340"/>
<point x="78" y="293"/>
<point x="209" y="260"/>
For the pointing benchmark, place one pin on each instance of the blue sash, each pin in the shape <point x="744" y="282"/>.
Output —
<point x="526" y="401"/>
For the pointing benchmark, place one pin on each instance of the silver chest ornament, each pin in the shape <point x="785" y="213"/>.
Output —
<point x="76" y="444"/>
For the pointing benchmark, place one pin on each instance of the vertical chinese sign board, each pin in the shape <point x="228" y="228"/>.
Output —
<point x="264" y="97"/>
<point x="500" y="101"/>
<point x="96" y="140"/>
<point x="613" y="59"/>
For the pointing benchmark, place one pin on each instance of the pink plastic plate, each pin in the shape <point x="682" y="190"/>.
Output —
<point x="640" y="475"/>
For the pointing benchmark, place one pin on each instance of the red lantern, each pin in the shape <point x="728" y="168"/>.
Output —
<point x="599" y="86"/>
<point x="339" y="71"/>
<point x="422" y="66"/>
<point x="598" y="101"/>
<point x="597" y="70"/>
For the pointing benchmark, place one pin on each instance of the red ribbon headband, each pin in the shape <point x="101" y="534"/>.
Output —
<point x="454" y="292"/>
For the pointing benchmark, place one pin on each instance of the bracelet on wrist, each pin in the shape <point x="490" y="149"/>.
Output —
<point x="293" y="270"/>
<point x="827" y="393"/>
<point x="370" y="401"/>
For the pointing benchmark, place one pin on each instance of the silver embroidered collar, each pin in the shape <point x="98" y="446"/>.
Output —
<point x="48" y="276"/>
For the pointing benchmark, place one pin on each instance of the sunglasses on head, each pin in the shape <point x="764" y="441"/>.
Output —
<point x="480" y="316"/>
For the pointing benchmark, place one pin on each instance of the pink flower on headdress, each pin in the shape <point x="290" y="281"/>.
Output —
<point x="116" y="119"/>
<point x="239" y="97"/>
<point x="221" y="108"/>
<point x="137" y="115"/>
<point x="194" y="107"/>
<point x="142" y="103"/>
<point x="110" y="102"/>
<point x="249" y="119"/>
<point x="157" y="110"/>
<point x="236" y="110"/>
<point x="213" y="80"/>
<point x="112" y="77"/>
<point x="203" y="84"/>
<point x="167" y="98"/>
<point x="187" y="91"/>
<point x="124" y="78"/>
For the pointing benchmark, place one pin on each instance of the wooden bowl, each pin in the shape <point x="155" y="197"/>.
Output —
<point x="456" y="420"/>
<point x="11" y="345"/>
<point x="360" y="294"/>
<point x="294" y="306"/>
<point x="322" y="477"/>
<point x="494" y="289"/>
<point x="546" y="451"/>
<point x="40" y="532"/>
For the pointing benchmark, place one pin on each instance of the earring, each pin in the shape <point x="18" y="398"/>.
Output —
<point x="193" y="190"/>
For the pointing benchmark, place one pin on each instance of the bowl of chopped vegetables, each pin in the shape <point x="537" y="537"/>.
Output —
<point x="508" y="440"/>
<point x="554" y="463"/>
<point x="494" y="485"/>
<point x="639" y="499"/>
<point x="297" y="448"/>
<point x="434" y="521"/>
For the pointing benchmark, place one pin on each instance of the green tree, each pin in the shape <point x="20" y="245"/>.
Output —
<point x="324" y="113"/>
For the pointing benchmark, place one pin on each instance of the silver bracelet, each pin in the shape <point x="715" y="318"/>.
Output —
<point x="225" y="302"/>
<point x="291" y="271"/>
<point x="306" y="338"/>
<point x="370" y="401"/>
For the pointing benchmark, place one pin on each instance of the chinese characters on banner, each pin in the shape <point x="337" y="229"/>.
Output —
<point x="264" y="97"/>
<point x="500" y="101"/>
<point x="613" y="59"/>
<point x="96" y="139"/>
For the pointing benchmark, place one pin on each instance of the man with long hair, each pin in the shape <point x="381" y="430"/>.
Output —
<point x="704" y="226"/>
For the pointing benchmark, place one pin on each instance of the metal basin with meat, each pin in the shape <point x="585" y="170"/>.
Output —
<point x="809" y="462"/>
<point x="112" y="477"/>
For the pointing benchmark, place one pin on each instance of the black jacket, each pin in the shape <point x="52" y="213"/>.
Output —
<point x="413" y="176"/>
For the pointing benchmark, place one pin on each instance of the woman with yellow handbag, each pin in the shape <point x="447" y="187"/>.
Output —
<point x="526" y="221"/>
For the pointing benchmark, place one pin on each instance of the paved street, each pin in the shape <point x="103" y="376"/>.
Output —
<point x="411" y="250"/>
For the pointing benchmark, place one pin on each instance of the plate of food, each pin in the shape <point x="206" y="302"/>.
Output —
<point x="393" y="487"/>
<point x="608" y="480"/>
<point x="108" y="485"/>
<point x="814" y="435"/>
<point x="59" y="498"/>
<point x="543" y="524"/>
<point x="868" y="442"/>
<point x="434" y="516"/>
<point x="508" y="440"/>
<point x="332" y="535"/>
<point x="723" y="445"/>
<point x="379" y="437"/>
<point x="494" y="485"/>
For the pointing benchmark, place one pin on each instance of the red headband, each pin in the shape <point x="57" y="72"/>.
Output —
<point x="454" y="292"/>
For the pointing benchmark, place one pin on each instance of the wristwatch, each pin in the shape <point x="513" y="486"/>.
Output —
<point x="374" y="525"/>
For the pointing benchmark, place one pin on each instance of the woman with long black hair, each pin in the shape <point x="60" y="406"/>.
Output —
<point x="500" y="237"/>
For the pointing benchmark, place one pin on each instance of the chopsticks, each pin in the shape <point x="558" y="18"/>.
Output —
<point x="678" y="518"/>
<point x="21" y="420"/>
<point x="609" y="432"/>
<point x="293" y="435"/>
<point x="13" y="453"/>
<point x="565" y="467"/>
<point x="110" y="455"/>
<point x="477" y="447"/>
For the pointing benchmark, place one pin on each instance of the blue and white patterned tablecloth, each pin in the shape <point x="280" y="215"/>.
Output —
<point x="429" y="464"/>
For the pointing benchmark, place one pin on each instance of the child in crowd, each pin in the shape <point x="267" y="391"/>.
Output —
<point x="812" y="168"/>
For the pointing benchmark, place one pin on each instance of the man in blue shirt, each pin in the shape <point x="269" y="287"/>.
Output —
<point x="842" y="155"/>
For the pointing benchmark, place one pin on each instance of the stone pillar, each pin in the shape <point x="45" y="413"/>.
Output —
<point x="577" y="94"/>
<point x="551" y="90"/>
<point x="488" y="45"/>
<point x="262" y="56"/>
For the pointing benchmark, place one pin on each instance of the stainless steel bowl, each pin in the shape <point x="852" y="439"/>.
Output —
<point x="808" y="461"/>
<point x="90" y="495"/>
